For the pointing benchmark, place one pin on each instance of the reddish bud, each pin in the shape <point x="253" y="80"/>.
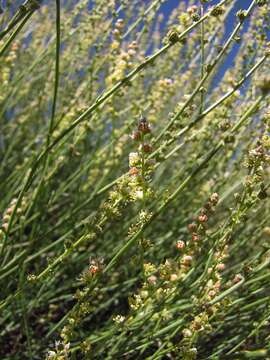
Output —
<point x="221" y="267"/>
<point x="237" y="278"/>
<point x="195" y="237"/>
<point x="147" y="148"/>
<point x="144" y="126"/>
<point x="93" y="269"/>
<point x="180" y="245"/>
<point x="136" y="135"/>
<point x="133" y="171"/>
<point x="152" y="280"/>
<point x="203" y="218"/>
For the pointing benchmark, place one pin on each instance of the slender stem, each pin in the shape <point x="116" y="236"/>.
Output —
<point x="15" y="33"/>
<point x="99" y="101"/>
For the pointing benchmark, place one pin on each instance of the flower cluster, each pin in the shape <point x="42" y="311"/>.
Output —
<point x="140" y="166"/>
<point x="197" y="230"/>
<point x="8" y="212"/>
<point x="60" y="353"/>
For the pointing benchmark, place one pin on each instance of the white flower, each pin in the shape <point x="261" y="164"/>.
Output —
<point x="134" y="158"/>
<point x="139" y="194"/>
<point x="119" y="319"/>
<point x="51" y="354"/>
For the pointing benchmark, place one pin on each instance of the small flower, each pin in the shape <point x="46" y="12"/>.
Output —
<point x="5" y="226"/>
<point x="131" y="52"/>
<point x="9" y="210"/>
<point x="192" y="9"/>
<point x="139" y="194"/>
<point x="187" y="259"/>
<point x="93" y="269"/>
<point x="152" y="280"/>
<point x="214" y="198"/>
<point x="203" y="218"/>
<point x="119" y="24"/>
<point x="133" y="171"/>
<point x="241" y="14"/>
<point x="134" y="159"/>
<point x="212" y="293"/>
<point x="180" y="245"/>
<point x="187" y="333"/>
<point x="119" y="319"/>
<point x="237" y="278"/>
<point x="221" y="267"/>
<point x="116" y="32"/>
<point x="136" y="135"/>
<point x="51" y="354"/>
<point x="173" y="277"/>
<point x="195" y="237"/>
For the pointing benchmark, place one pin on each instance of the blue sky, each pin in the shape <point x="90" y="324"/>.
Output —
<point x="169" y="5"/>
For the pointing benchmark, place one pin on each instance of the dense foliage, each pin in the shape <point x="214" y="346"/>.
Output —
<point x="134" y="180"/>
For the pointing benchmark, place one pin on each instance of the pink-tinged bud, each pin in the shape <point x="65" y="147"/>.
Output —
<point x="133" y="171"/>
<point x="195" y="237"/>
<point x="210" y="270"/>
<point x="173" y="277"/>
<point x="136" y="135"/>
<point x="152" y="280"/>
<point x="5" y="226"/>
<point x="93" y="269"/>
<point x="203" y="218"/>
<point x="192" y="9"/>
<point x="192" y="227"/>
<point x="221" y="267"/>
<point x="187" y="259"/>
<point x="180" y="245"/>
<point x="9" y="210"/>
<point x="212" y="293"/>
<point x="131" y="52"/>
<point x="237" y="278"/>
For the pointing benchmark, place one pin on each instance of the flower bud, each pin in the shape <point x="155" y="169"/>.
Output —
<point x="180" y="245"/>
<point x="203" y="218"/>
<point x="187" y="259"/>
<point x="133" y="171"/>
<point x="221" y="267"/>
